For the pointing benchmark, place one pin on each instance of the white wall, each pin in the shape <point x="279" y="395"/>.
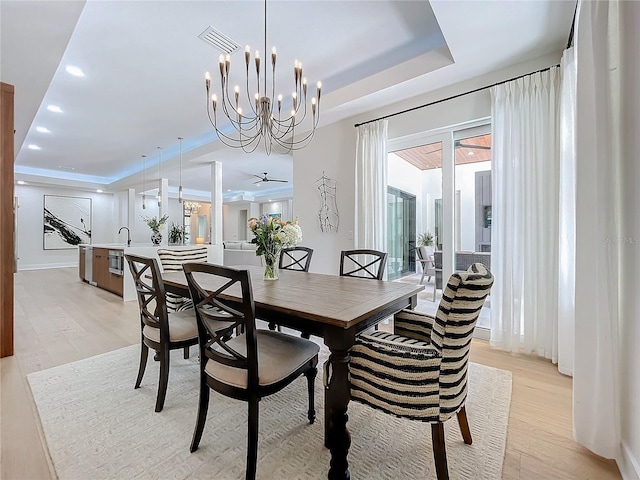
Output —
<point x="108" y="214"/>
<point x="630" y="250"/>
<point x="29" y="244"/>
<point x="332" y="151"/>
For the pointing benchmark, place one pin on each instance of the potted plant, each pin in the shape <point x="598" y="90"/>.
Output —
<point x="176" y="234"/>
<point x="425" y="239"/>
<point x="155" y="225"/>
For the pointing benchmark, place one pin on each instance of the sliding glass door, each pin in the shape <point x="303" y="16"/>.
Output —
<point x="401" y="233"/>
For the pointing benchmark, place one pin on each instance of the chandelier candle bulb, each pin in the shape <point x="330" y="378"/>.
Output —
<point x="273" y="57"/>
<point x="247" y="56"/>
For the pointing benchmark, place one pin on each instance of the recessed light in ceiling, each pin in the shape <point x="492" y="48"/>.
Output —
<point x="75" y="71"/>
<point x="54" y="109"/>
<point x="33" y="146"/>
<point x="69" y="169"/>
<point x="43" y="130"/>
<point x="471" y="153"/>
<point x="21" y="182"/>
<point x="99" y="191"/>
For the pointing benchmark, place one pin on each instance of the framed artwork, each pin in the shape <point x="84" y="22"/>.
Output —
<point x="275" y="216"/>
<point x="67" y="222"/>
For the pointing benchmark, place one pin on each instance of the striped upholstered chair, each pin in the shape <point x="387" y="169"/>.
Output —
<point x="420" y="371"/>
<point x="172" y="260"/>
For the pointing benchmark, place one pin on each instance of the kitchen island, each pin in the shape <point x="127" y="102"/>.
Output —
<point x="104" y="265"/>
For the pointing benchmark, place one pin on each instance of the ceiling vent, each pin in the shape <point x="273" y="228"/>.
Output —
<point x="219" y="40"/>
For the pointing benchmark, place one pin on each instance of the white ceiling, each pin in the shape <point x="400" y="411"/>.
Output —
<point x="144" y="66"/>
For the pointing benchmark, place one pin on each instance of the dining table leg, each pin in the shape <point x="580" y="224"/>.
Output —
<point x="337" y="396"/>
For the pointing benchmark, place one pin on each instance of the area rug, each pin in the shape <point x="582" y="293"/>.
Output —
<point x="96" y="426"/>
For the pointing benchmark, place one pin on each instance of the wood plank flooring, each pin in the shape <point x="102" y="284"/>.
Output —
<point x="59" y="319"/>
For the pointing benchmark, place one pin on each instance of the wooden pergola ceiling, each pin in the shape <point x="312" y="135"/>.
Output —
<point x="468" y="150"/>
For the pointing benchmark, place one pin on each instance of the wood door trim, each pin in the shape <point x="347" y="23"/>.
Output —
<point x="7" y="222"/>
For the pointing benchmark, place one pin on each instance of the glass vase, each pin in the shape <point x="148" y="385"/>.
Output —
<point x="271" y="260"/>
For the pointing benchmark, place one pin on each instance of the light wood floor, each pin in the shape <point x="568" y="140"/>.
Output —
<point x="60" y="319"/>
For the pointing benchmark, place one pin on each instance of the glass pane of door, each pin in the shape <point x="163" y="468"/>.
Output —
<point x="401" y="233"/>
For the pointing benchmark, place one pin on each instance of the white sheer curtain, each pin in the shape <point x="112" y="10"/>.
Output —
<point x="567" y="215"/>
<point x="371" y="186"/>
<point x="524" y="260"/>
<point x="596" y="379"/>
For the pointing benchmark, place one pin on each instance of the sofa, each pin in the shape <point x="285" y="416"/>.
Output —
<point x="240" y="253"/>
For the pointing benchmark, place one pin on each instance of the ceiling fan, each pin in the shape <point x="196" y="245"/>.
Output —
<point x="264" y="178"/>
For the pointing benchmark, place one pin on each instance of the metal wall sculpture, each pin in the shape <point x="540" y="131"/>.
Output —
<point x="67" y="222"/>
<point x="328" y="213"/>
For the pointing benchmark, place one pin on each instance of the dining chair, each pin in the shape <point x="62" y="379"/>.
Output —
<point x="363" y="263"/>
<point x="171" y="260"/>
<point x="249" y="366"/>
<point x="419" y="371"/>
<point x="160" y="330"/>
<point x="296" y="258"/>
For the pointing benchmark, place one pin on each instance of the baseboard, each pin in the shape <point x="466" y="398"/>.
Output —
<point x="45" y="266"/>
<point x="482" y="333"/>
<point x="628" y="465"/>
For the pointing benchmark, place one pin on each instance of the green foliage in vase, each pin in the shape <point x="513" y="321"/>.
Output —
<point x="154" y="224"/>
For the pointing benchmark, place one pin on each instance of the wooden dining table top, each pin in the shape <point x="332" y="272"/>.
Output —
<point x="326" y="299"/>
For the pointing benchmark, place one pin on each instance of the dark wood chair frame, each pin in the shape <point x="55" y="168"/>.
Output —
<point x="217" y="320"/>
<point x="299" y="258"/>
<point x="151" y="294"/>
<point x="379" y="262"/>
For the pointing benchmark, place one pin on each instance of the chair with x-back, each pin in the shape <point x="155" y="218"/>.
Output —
<point x="296" y="258"/>
<point x="363" y="263"/>
<point x="419" y="372"/>
<point x="160" y="330"/>
<point x="249" y="366"/>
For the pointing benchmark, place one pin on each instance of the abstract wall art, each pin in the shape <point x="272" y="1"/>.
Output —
<point x="67" y="222"/>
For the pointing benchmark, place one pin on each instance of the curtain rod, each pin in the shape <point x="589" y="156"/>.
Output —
<point x="455" y="96"/>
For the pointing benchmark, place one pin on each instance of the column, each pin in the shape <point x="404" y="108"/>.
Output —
<point x="216" y="203"/>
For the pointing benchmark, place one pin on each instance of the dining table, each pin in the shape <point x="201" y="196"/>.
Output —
<point x="333" y="307"/>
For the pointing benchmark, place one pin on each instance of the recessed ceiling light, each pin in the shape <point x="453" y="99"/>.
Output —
<point x="99" y="191"/>
<point x="75" y="71"/>
<point x="33" y="146"/>
<point x="471" y="153"/>
<point x="43" y="130"/>
<point x="228" y="189"/>
<point x="64" y="167"/>
<point x="21" y="182"/>
<point x="54" y="108"/>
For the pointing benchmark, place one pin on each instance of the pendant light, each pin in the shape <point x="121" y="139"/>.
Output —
<point x="159" y="177"/>
<point x="180" y="186"/>
<point x="144" y="167"/>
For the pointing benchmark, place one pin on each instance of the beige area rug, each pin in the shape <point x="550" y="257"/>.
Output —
<point x="98" y="427"/>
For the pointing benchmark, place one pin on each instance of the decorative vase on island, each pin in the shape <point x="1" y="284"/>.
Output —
<point x="271" y="259"/>
<point x="156" y="238"/>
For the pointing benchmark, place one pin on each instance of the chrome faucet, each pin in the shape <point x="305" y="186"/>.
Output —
<point x="128" y="235"/>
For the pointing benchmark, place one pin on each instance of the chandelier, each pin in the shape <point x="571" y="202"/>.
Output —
<point x="262" y="117"/>
<point x="191" y="207"/>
